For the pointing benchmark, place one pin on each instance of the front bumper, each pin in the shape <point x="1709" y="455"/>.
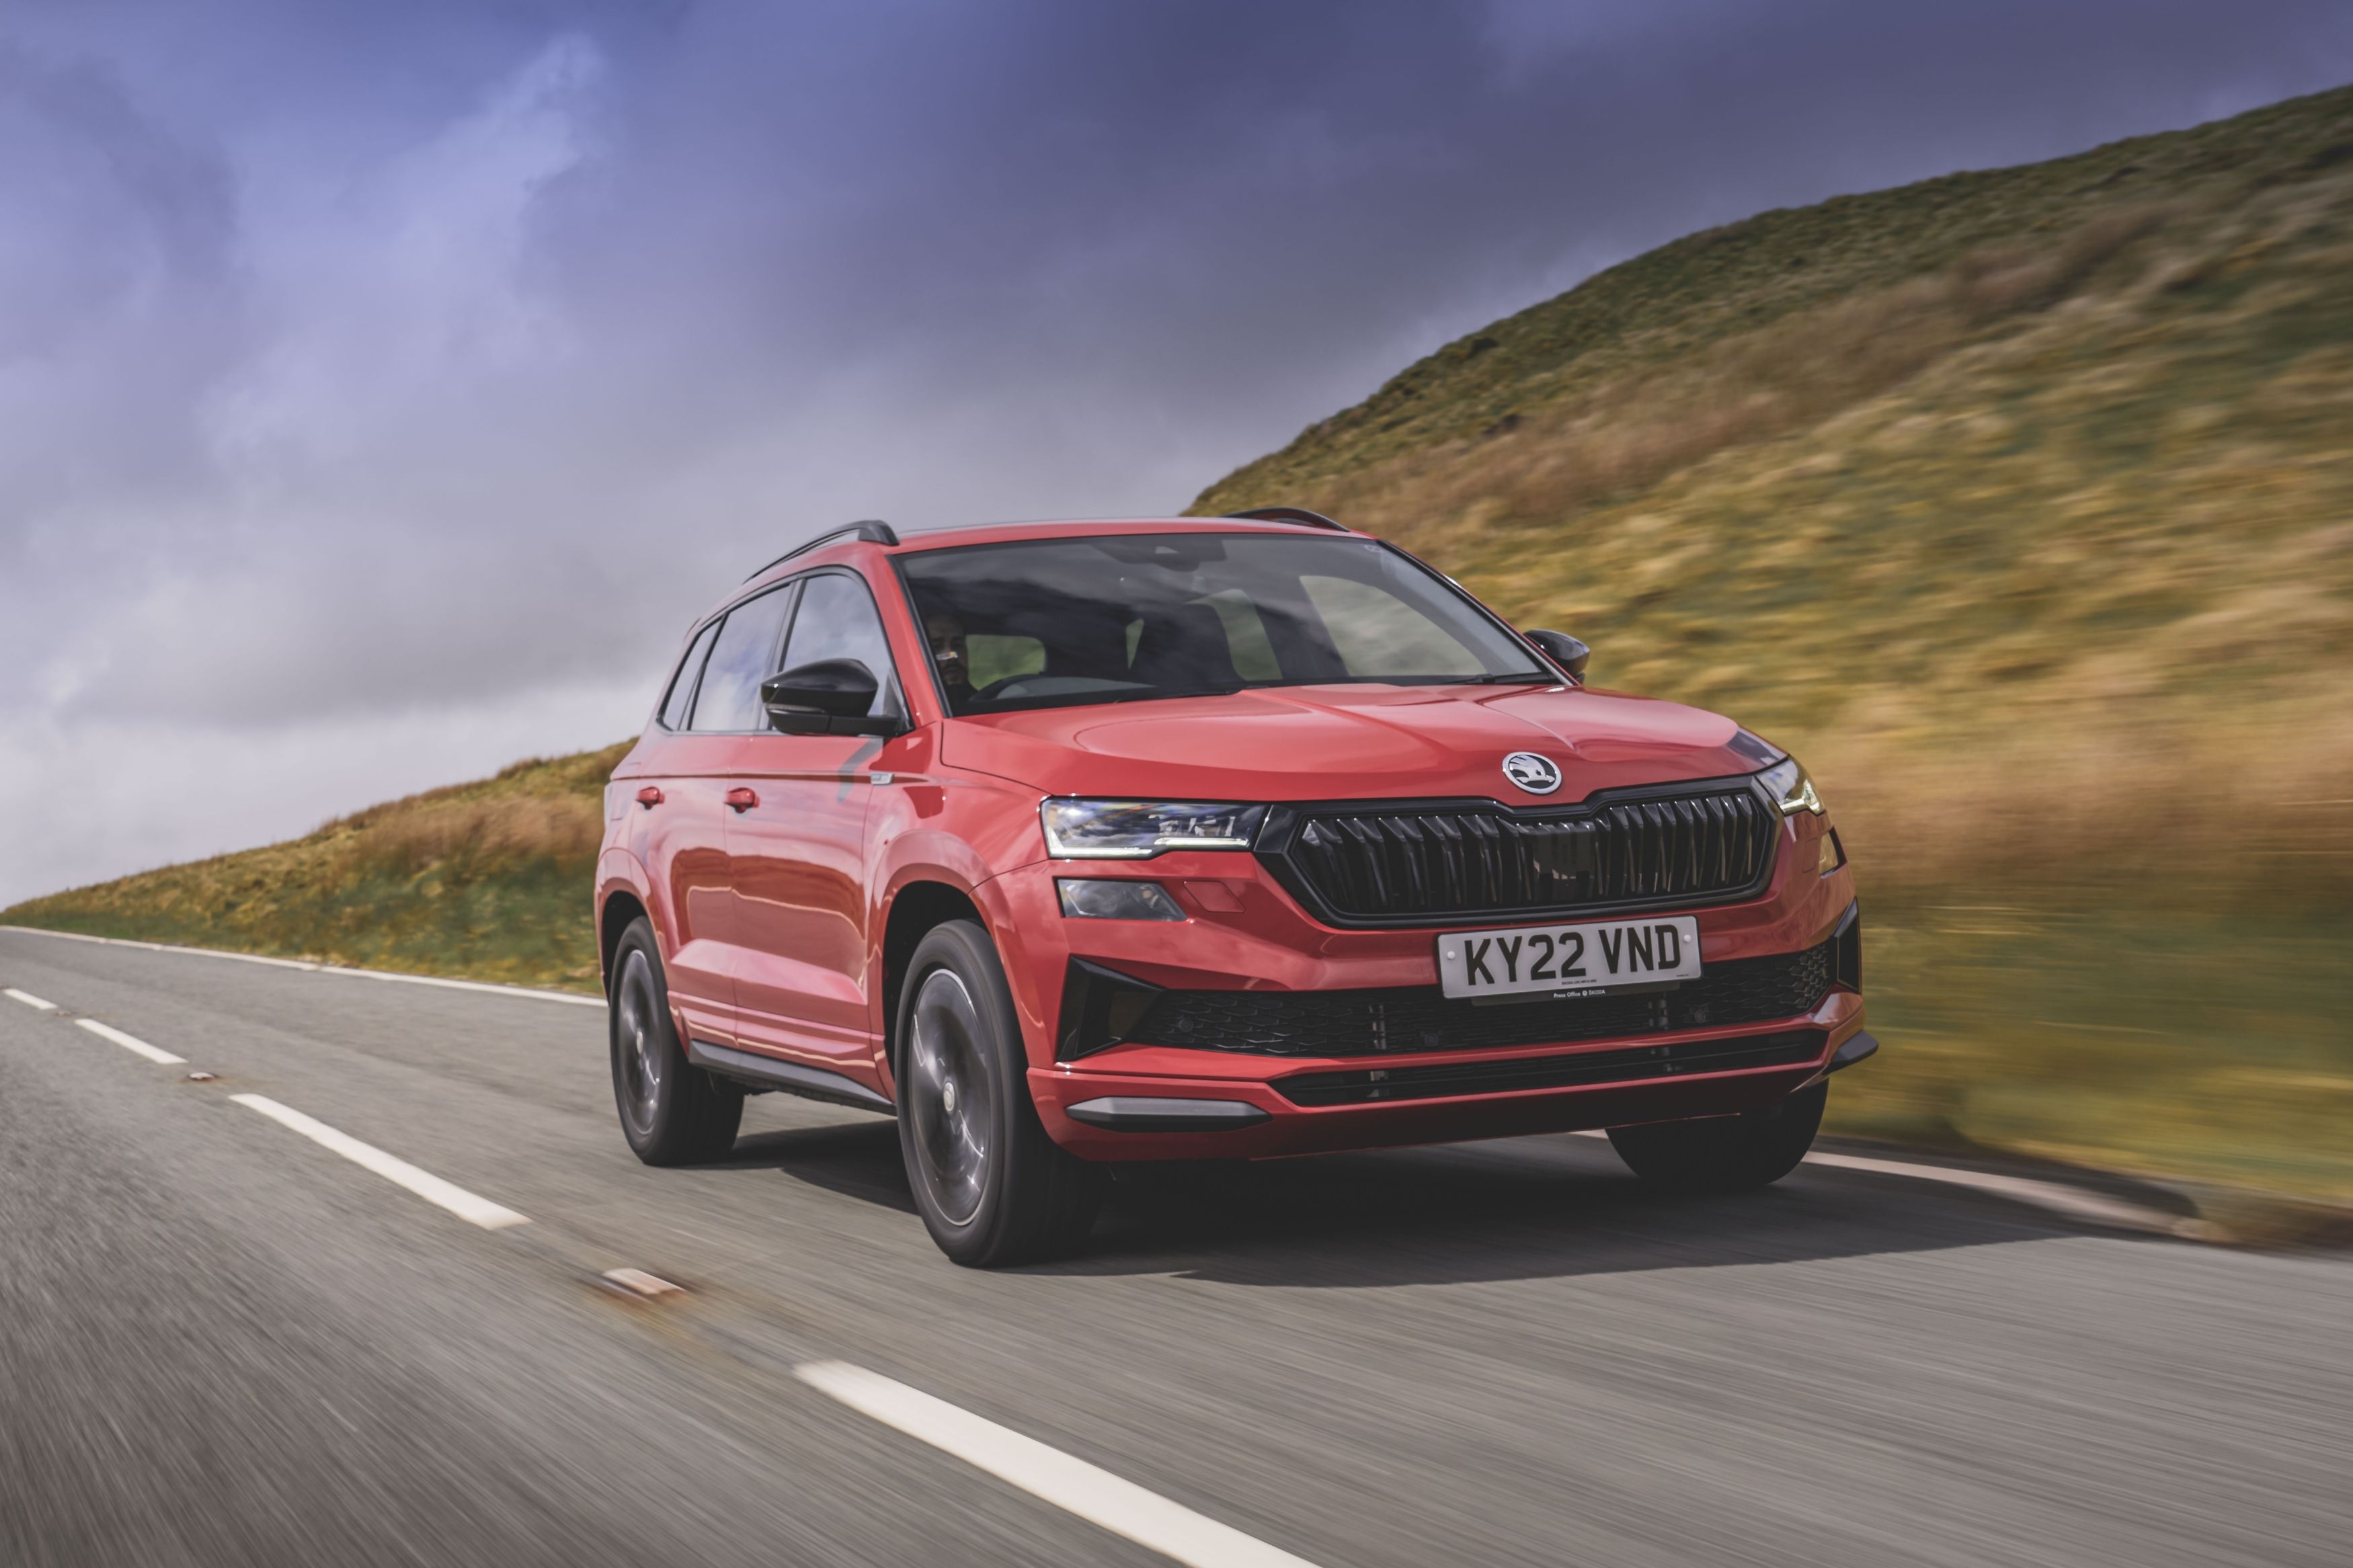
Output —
<point x="1243" y="932"/>
<point x="1658" y="1089"/>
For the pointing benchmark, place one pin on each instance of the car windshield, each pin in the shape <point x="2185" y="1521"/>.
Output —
<point x="1115" y="618"/>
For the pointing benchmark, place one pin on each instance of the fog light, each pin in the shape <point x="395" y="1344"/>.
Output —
<point x="1832" y="855"/>
<point x="1105" y="899"/>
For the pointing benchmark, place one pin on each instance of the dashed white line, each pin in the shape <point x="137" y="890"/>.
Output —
<point x="128" y="1042"/>
<point x="1072" y="1485"/>
<point x="28" y="999"/>
<point x="466" y="1206"/>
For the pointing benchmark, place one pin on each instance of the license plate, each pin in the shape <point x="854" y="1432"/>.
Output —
<point x="1582" y="960"/>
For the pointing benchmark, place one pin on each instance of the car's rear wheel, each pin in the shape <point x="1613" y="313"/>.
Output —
<point x="672" y="1112"/>
<point x="1725" y="1153"/>
<point x="992" y="1187"/>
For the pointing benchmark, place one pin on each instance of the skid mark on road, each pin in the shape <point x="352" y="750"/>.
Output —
<point x="1072" y="1485"/>
<point x="466" y="1206"/>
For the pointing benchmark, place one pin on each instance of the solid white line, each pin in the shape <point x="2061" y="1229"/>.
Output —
<point x="534" y="992"/>
<point x="448" y="985"/>
<point x="2073" y="1202"/>
<point x="128" y="1042"/>
<point x="2055" y="1196"/>
<point x="29" y="1000"/>
<point x="1074" y="1484"/>
<point x="424" y="1183"/>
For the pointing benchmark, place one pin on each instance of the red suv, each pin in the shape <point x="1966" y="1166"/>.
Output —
<point x="1075" y="843"/>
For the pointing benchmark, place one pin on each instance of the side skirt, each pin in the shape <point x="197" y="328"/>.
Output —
<point x="754" y="1071"/>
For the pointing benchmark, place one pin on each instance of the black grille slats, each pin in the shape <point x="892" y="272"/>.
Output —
<point x="1386" y="866"/>
<point x="1422" y="1018"/>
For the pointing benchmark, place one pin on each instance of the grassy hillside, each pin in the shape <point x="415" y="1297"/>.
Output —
<point x="2021" y="504"/>
<point x="2018" y="503"/>
<point x="488" y="880"/>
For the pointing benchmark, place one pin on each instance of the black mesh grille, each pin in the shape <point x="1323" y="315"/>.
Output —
<point x="1422" y="1018"/>
<point x="1402" y="865"/>
<point x="1359" y="1086"/>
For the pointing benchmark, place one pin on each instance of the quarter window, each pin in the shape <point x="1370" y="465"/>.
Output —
<point x="742" y="656"/>
<point x="682" y="686"/>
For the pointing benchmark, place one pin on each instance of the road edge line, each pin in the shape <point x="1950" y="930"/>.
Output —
<point x="538" y="994"/>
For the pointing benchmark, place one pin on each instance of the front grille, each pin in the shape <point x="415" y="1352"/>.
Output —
<point x="1361" y="1086"/>
<point x="1423" y="1018"/>
<point x="1367" y="864"/>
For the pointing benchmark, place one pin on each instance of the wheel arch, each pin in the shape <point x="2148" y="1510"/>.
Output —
<point x="621" y="906"/>
<point x="916" y="908"/>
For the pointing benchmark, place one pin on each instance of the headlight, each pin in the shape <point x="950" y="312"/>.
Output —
<point x="1138" y="830"/>
<point x="1793" y="792"/>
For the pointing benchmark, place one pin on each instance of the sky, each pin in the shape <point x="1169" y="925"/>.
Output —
<point x="383" y="388"/>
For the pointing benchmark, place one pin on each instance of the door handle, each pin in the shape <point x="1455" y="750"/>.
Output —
<point x="650" y="797"/>
<point x="741" y="799"/>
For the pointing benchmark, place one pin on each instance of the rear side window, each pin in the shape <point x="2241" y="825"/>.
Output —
<point x="682" y="686"/>
<point x="838" y="620"/>
<point x="742" y="656"/>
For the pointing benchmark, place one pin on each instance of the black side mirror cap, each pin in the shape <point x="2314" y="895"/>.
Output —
<point x="827" y="697"/>
<point x="1563" y="650"/>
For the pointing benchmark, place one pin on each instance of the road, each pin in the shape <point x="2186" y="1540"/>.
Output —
<point x="222" y="1342"/>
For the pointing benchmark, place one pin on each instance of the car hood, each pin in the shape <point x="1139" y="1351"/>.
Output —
<point x="1349" y="743"/>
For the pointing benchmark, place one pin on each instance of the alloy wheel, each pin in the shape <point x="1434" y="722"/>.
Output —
<point x="951" y="1099"/>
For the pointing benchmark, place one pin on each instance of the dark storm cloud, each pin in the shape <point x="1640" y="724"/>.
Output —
<point x="390" y="373"/>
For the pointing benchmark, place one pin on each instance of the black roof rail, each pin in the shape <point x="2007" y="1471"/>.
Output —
<point x="873" y="530"/>
<point x="1298" y="514"/>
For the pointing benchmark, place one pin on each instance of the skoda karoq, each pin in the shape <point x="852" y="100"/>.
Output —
<point x="1069" y="844"/>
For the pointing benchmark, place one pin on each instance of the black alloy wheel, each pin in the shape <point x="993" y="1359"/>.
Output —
<point x="672" y="1112"/>
<point x="1725" y="1153"/>
<point x="991" y="1187"/>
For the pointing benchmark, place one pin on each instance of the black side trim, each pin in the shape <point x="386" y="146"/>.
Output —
<point x="1100" y="1006"/>
<point x="1857" y="1049"/>
<point x="767" y="1072"/>
<point x="1848" y="948"/>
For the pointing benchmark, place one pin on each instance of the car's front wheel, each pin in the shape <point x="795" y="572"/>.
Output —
<point x="672" y="1112"/>
<point x="1725" y="1153"/>
<point x="992" y="1187"/>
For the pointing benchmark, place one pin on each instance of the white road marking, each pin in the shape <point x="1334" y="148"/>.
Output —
<point x="2073" y="1202"/>
<point x="2056" y="1196"/>
<point x="391" y="1167"/>
<point x="532" y="992"/>
<point x="1093" y="1494"/>
<point x="128" y="1042"/>
<point x="28" y="999"/>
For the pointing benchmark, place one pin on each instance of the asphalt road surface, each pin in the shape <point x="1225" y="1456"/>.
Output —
<point x="224" y="1341"/>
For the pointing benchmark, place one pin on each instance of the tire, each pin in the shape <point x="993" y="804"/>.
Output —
<point x="1725" y="1153"/>
<point x="992" y="1187"/>
<point x="672" y="1112"/>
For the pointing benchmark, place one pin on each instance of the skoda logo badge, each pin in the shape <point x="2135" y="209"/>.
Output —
<point x="1535" y="774"/>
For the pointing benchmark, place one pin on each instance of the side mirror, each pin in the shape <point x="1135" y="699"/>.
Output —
<point x="1563" y="650"/>
<point x="829" y="697"/>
